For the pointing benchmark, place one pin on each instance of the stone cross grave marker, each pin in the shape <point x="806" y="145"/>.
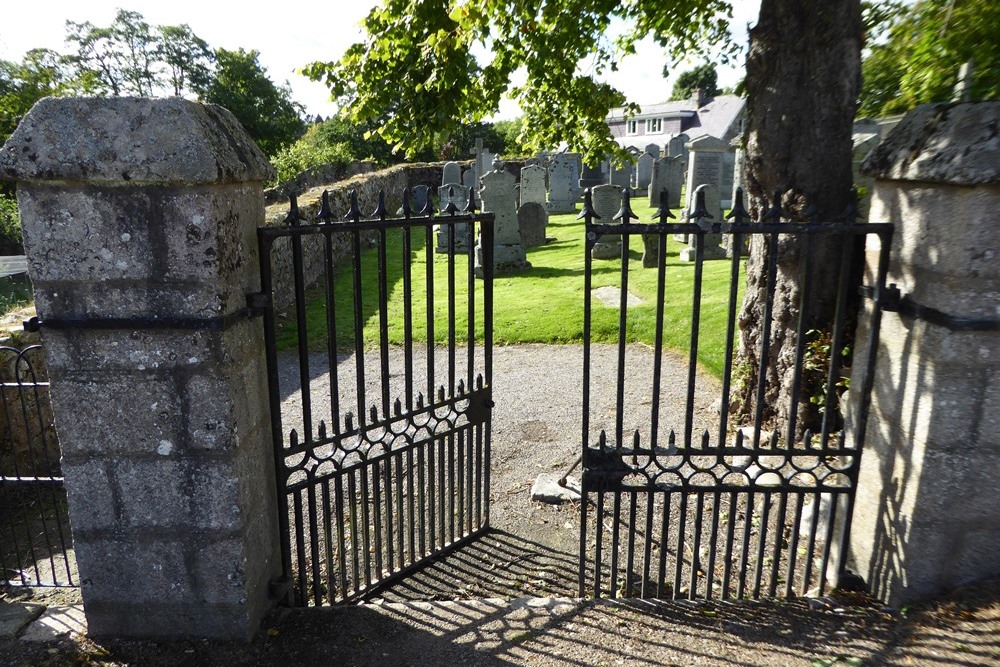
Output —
<point x="607" y="201"/>
<point x="713" y="249"/>
<point x="500" y="199"/>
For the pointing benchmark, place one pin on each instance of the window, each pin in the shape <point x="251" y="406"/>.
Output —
<point x="632" y="127"/>
<point x="654" y="125"/>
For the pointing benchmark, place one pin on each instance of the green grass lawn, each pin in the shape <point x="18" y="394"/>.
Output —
<point x="541" y="305"/>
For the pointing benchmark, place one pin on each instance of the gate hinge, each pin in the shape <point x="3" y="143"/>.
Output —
<point x="892" y="300"/>
<point x="258" y="303"/>
<point x="889" y="298"/>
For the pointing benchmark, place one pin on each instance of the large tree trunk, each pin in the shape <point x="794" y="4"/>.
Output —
<point x="803" y="79"/>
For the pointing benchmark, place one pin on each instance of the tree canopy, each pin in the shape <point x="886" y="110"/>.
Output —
<point x="703" y="77"/>
<point x="924" y="47"/>
<point x="265" y="109"/>
<point x="426" y="67"/>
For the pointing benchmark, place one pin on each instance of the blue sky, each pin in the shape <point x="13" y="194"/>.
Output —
<point x="290" y="34"/>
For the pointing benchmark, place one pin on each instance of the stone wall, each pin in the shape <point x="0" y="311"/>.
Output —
<point x="926" y="515"/>
<point x="392" y="180"/>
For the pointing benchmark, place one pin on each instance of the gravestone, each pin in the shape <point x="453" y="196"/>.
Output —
<point x="457" y="194"/>
<point x="727" y="176"/>
<point x="591" y="177"/>
<point x="500" y="199"/>
<point x="420" y="195"/>
<point x="678" y="146"/>
<point x="668" y="172"/>
<point x="704" y="165"/>
<point x="713" y="249"/>
<point x="564" y="176"/>
<point x="620" y="175"/>
<point x="451" y="173"/>
<point x="644" y="171"/>
<point x="533" y="185"/>
<point x="469" y="179"/>
<point x="653" y="151"/>
<point x="532" y="220"/>
<point x="484" y="162"/>
<point x="607" y="201"/>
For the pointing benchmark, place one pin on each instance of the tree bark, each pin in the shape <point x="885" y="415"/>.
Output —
<point x="803" y="79"/>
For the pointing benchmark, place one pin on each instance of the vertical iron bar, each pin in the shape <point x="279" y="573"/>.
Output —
<point x="328" y="540"/>
<point x="303" y="340"/>
<point x="356" y="547"/>
<point x="300" y="549"/>
<point x="486" y="234"/>
<point x="338" y="490"/>
<point x="471" y="287"/>
<point x="793" y="545"/>
<point x="431" y="495"/>
<point x="598" y="542"/>
<point x="450" y="489"/>
<point x="735" y="275"/>
<point x="661" y="580"/>
<point x="648" y="553"/>
<point x="383" y="319"/>
<point x="408" y="315"/>
<point x="460" y="468"/>
<point x="630" y="554"/>
<point x="359" y="324"/>
<point x="615" y="535"/>
<point x="761" y="544"/>
<point x="451" y="306"/>
<point x="696" y="546"/>
<point x="429" y="277"/>
<point x="622" y="328"/>
<point x="699" y="265"/>
<point x="828" y="541"/>
<point x="411" y="522"/>
<point x="745" y="547"/>
<point x="366" y="548"/>
<point x="661" y="280"/>
<point x="274" y="407"/>
<point x="805" y="290"/>
<point x="585" y="417"/>
<point x="817" y="506"/>
<point x="765" y="341"/>
<point x="679" y="561"/>
<point x="402" y="527"/>
<point x="375" y="469"/>
<point x="837" y="344"/>
<point x="713" y="545"/>
<point x="317" y="577"/>
<point x="442" y="491"/>
<point x="728" y="549"/>
<point x="421" y="502"/>
<point x="779" y="529"/>
<point x="331" y="331"/>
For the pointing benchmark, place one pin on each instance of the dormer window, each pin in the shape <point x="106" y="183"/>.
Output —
<point x="654" y="126"/>
<point x="632" y="127"/>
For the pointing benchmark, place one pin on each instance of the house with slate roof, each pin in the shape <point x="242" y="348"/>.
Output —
<point x="721" y="117"/>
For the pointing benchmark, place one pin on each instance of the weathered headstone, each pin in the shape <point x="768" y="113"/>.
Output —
<point x="564" y="175"/>
<point x="620" y="175"/>
<point x="653" y="151"/>
<point x="453" y="193"/>
<point x="644" y="171"/>
<point x="726" y="177"/>
<point x="591" y="177"/>
<point x="451" y="173"/>
<point x="668" y="172"/>
<point x="678" y="146"/>
<point x="532" y="220"/>
<point x="704" y="165"/>
<point x="533" y="185"/>
<point x="500" y="199"/>
<point x="607" y="201"/>
<point x="713" y="249"/>
<point x="469" y="179"/>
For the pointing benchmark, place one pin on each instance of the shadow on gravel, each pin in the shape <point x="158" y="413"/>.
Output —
<point x="498" y="565"/>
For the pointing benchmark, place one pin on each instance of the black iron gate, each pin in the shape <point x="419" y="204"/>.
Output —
<point x="706" y="510"/>
<point x="382" y="449"/>
<point x="35" y="540"/>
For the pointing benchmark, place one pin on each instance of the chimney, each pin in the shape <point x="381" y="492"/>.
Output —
<point x="697" y="98"/>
